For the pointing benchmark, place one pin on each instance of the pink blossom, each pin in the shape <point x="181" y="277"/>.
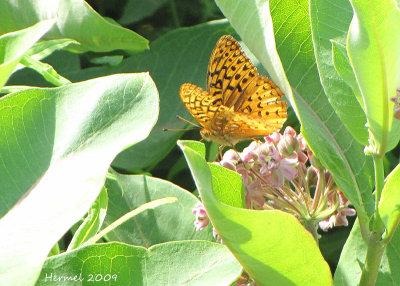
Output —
<point x="250" y="153"/>
<point x="277" y="168"/>
<point x="202" y="219"/>
<point x="339" y="218"/>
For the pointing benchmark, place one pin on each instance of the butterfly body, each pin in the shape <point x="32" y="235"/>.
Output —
<point x="239" y="104"/>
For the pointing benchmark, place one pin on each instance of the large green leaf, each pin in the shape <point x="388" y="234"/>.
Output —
<point x="325" y="27"/>
<point x="75" y="19"/>
<point x="343" y="67"/>
<point x="173" y="263"/>
<point x="352" y="259"/>
<point x="154" y="226"/>
<point x="272" y="246"/>
<point x="373" y="48"/>
<point x="169" y="69"/>
<point x="325" y="133"/>
<point x="136" y="10"/>
<point x="56" y="147"/>
<point x="389" y="204"/>
<point x="14" y="45"/>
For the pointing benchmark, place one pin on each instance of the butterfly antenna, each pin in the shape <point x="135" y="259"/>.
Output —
<point x="188" y="121"/>
<point x="169" y="129"/>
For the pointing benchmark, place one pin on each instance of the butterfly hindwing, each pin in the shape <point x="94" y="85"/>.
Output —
<point x="262" y="98"/>
<point x="200" y="104"/>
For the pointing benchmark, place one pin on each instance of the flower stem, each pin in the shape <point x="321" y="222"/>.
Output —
<point x="312" y="226"/>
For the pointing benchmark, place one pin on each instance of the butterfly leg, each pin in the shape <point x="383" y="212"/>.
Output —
<point x="221" y="147"/>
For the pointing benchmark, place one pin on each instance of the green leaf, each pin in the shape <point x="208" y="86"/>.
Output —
<point x="196" y="146"/>
<point x="131" y="214"/>
<point x="128" y="192"/>
<point x="173" y="263"/>
<point x="14" y="45"/>
<point x="93" y="221"/>
<point x="352" y="259"/>
<point x="327" y="136"/>
<point x="111" y="61"/>
<point x="373" y="46"/>
<point x="46" y="70"/>
<point x="261" y="240"/>
<point x="389" y="204"/>
<point x="324" y="27"/>
<point x="195" y="45"/>
<point x="93" y="32"/>
<point x="56" y="147"/>
<point x="342" y="65"/>
<point x="227" y="185"/>
<point x="44" y="49"/>
<point x="136" y="10"/>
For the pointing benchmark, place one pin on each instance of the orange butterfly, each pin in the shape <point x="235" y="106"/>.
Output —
<point x="239" y="103"/>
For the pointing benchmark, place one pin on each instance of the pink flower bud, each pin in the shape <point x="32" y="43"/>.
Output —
<point x="273" y="138"/>
<point x="396" y="111"/>
<point x="311" y="176"/>
<point x="202" y="219"/>
<point x="289" y="131"/>
<point x="302" y="157"/>
<point x="288" y="145"/>
<point x="302" y="142"/>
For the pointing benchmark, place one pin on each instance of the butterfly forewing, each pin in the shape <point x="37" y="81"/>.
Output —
<point x="229" y="70"/>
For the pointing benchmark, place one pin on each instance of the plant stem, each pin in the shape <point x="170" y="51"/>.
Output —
<point x="174" y="12"/>
<point x="379" y="179"/>
<point x="376" y="246"/>
<point x="373" y="260"/>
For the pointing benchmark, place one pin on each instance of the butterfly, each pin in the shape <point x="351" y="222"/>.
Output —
<point x="239" y="103"/>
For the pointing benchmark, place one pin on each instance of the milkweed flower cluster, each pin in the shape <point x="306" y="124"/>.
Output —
<point x="282" y="173"/>
<point x="396" y="100"/>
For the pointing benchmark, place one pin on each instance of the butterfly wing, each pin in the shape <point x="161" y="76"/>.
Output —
<point x="262" y="98"/>
<point x="259" y="111"/>
<point x="200" y="104"/>
<point x="229" y="71"/>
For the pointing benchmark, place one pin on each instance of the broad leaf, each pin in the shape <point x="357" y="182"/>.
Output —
<point x="260" y="240"/>
<point x="173" y="263"/>
<point x="14" y="45"/>
<point x="75" y="19"/>
<point x="127" y="192"/>
<point x="324" y="28"/>
<point x="373" y="48"/>
<point x="389" y="204"/>
<point x="56" y="147"/>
